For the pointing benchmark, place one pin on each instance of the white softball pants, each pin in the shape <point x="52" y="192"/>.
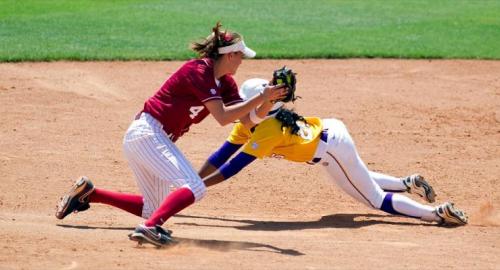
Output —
<point x="343" y="164"/>
<point x="158" y="165"/>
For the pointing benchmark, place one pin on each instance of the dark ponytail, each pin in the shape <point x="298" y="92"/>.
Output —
<point x="218" y="40"/>
<point x="289" y="118"/>
<point x="209" y="47"/>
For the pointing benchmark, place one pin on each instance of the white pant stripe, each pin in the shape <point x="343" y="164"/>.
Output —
<point x="353" y="184"/>
<point x="192" y="178"/>
<point x="157" y="163"/>
<point x="148" y="197"/>
<point x="346" y="168"/>
<point x="184" y="163"/>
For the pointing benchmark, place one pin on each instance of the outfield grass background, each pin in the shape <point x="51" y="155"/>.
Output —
<point x="40" y="30"/>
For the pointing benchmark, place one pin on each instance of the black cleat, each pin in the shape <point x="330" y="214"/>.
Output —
<point x="77" y="199"/>
<point x="156" y="235"/>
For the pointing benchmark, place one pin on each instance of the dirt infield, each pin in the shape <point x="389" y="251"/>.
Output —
<point x="440" y="118"/>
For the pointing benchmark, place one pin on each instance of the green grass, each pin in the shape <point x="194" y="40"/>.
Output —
<point x="42" y="30"/>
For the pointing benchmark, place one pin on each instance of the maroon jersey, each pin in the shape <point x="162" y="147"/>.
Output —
<point x="180" y="101"/>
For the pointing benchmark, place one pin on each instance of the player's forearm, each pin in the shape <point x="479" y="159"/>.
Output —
<point x="229" y="169"/>
<point x="238" y="111"/>
<point x="236" y="164"/>
<point x="263" y="109"/>
<point x="213" y="179"/>
<point x="255" y="117"/>
<point x="225" y="115"/>
<point x="218" y="158"/>
<point x="206" y="170"/>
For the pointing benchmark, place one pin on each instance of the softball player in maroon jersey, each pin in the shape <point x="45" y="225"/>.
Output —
<point x="285" y="134"/>
<point x="166" y="179"/>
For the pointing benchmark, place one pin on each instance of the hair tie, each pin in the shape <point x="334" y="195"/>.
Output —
<point x="228" y="37"/>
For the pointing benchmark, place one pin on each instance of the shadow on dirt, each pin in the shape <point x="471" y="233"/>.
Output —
<point x="85" y="227"/>
<point x="220" y="245"/>
<point x="330" y="221"/>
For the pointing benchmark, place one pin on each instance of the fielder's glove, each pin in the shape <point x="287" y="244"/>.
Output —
<point x="286" y="76"/>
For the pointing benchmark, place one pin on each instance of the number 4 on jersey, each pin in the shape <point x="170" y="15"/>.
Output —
<point x="195" y="110"/>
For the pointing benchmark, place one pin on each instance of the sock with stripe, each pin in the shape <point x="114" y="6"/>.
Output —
<point x="131" y="203"/>
<point x="173" y="203"/>
<point x="401" y="205"/>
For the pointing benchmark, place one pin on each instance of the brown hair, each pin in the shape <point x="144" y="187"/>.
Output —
<point x="209" y="46"/>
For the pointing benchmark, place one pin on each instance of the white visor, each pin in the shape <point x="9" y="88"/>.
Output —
<point x="238" y="47"/>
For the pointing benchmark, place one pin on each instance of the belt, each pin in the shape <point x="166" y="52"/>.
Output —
<point x="324" y="137"/>
<point x="138" y="115"/>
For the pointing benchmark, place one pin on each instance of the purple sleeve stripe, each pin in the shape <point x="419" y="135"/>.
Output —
<point x="220" y="156"/>
<point x="236" y="164"/>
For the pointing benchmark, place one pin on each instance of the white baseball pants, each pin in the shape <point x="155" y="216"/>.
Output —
<point x="158" y="165"/>
<point x="343" y="164"/>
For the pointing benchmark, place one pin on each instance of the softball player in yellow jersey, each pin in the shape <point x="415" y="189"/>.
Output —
<point x="327" y="143"/>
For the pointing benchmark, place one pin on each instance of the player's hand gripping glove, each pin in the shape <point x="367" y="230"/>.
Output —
<point x="286" y="76"/>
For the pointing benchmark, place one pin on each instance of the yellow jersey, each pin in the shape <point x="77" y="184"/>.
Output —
<point x="269" y="140"/>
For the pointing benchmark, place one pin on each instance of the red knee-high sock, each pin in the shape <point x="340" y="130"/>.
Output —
<point x="129" y="202"/>
<point x="173" y="203"/>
